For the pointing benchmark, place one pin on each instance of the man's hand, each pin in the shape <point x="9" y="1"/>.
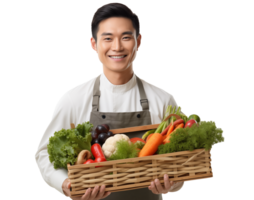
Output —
<point x="95" y="194"/>
<point x="157" y="188"/>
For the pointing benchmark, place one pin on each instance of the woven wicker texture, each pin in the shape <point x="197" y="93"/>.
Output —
<point x="120" y="175"/>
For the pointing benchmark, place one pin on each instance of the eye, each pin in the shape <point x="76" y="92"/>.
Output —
<point x="126" y="37"/>
<point x="107" y="39"/>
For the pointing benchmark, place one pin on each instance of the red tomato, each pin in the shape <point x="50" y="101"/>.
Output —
<point x="190" y="123"/>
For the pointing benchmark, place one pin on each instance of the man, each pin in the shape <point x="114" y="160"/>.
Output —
<point x="115" y="97"/>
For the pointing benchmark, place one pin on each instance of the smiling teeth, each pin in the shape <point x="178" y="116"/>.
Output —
<point x="116" y="56"/>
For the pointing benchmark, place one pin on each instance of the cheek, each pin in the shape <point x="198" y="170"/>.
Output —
<point x="102" y="51"/>
<point x="133" y="51"/>
<point x="104" y="46"/>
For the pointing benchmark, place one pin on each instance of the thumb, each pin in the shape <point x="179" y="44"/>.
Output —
<point x="69" y="185"/>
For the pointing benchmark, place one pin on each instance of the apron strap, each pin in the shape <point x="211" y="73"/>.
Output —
<point x="143" y="98"/>
<point x="97" y="93"/>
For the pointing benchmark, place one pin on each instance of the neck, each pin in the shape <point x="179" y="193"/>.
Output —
<point x="118" y="78"/>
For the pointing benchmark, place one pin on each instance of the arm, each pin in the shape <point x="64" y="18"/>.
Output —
<point x="62" y="118"/>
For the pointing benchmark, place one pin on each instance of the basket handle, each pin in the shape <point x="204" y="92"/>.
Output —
<point x="195" y="155"/>
<point x="72" y="126"/>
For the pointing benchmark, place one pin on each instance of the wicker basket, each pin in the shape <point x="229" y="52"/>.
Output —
<point x="134" y="173"/>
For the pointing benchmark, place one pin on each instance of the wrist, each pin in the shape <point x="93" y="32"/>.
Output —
<point x="65" y="187"/>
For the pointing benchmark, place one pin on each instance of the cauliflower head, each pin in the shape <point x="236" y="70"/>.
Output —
<point x="109" y="147"/>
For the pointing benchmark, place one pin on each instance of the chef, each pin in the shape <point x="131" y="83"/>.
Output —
<point x="117" y="97"/>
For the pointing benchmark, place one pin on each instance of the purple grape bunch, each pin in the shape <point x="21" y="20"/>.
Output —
<point x="100" y="134"/>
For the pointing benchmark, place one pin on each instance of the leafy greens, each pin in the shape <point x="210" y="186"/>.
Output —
<point x="124" y="150"/>
<point x="203" y="136"/>
<point x="65" y="145"/>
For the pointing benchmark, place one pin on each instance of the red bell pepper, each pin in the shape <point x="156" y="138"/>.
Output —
<point x="100" y="159"/>
<point x="97" y="151"/>
<point x="89" y="161"/>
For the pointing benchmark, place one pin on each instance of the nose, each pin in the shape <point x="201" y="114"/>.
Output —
<point x="117" y="45"/>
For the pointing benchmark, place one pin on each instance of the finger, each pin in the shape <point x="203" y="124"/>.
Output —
<point x="94" y="193"/>
<point x="106" y="194"/>
<point x="158" y="186"/>
<point x="166" y="182"/>
<point x="153" y="188"/>
<point x="101" y="192"/>
<point x="87" y="194"/>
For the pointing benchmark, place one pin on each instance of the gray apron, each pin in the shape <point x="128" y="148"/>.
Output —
<point x="124" y="120"/>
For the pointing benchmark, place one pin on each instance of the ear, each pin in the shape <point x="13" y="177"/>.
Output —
<point x="93" y="43"/>
<point x="138" y="41"/>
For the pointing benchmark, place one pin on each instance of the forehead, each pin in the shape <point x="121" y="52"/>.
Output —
<point x="115" y="25"/>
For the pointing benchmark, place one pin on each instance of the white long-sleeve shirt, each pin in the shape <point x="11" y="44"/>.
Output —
<point x="76" y="105"/>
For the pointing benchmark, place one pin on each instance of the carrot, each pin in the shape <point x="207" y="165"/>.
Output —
<point x="162" y="124"/>
<point x="164" y="137"/>
<point x="180" y="126"/>
<point x="166" y="140"/>
<point x="149" y="136"/>
<point x="151" y="146"/>
<point x="178" y="121"/>
<point x="166" y="129"/>
<point x="136" y="139"/>
<point x="170" y="130"/>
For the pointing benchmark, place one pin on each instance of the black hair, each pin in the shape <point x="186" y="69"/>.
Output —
<point x="113" y="10"/>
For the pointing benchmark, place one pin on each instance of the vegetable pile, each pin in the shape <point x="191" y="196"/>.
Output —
<point x="65" y="145"/>
<point x="177" y="132"/>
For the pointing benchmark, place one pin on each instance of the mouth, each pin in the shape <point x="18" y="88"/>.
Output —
<point x="117" y="58"/>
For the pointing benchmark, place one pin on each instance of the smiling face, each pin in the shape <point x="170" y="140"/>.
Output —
<point x="116" y="44"/>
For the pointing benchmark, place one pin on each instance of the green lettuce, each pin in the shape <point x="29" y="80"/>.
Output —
<point x="65" y="145"/>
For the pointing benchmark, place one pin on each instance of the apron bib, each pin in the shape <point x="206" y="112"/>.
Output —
<point x="124" y="120"/>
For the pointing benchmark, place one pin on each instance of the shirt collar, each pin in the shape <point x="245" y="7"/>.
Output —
<point x="106" y="84"/>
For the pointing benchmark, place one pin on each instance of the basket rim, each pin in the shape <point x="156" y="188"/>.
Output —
<point x="132" y="159"/>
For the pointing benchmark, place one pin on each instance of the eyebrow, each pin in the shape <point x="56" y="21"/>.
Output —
<point x="124" y="33"/>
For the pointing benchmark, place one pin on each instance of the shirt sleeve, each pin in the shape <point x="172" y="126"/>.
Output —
<point x="62" y="118"/>
<point x="170" y="101"/>
<point x="177" y="186"/>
